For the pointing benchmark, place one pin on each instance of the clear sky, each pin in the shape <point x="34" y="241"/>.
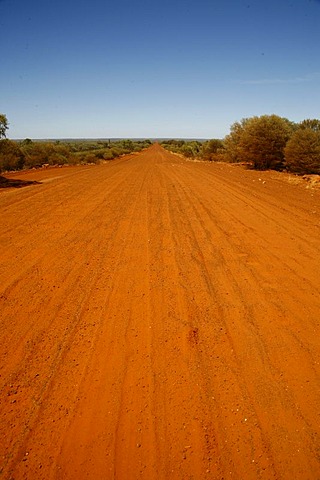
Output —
<point x="155" y="68"/>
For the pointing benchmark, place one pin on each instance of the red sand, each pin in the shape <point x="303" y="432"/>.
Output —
<point x="160" y="319"/>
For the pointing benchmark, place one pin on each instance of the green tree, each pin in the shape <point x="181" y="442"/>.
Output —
<point x="3" y="125"/>
<point x="210" y="148"/>
<point x="302" y="152"/>
<point x="231" y="142"/>
<point x="263" y="140"/>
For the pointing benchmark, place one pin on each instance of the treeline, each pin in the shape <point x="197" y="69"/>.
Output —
<point x="265" y="142"/>
<point x="17" y="155"/>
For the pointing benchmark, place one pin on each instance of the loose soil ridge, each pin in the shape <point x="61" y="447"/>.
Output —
<point x="160" y="319"/>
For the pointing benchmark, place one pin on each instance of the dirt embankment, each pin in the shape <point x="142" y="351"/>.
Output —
<point x="160" y="319"/>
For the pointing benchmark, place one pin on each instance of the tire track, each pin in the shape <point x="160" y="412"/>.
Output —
<point x="258" y="336"/>
<point x="153" y="328"/>
<point x="65" y="339"/>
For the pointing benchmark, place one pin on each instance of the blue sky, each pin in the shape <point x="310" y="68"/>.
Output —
<point x="151" y="68"/>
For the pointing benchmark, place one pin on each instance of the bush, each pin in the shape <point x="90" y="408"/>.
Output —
<point x="56" y="158"/>
<point x="90" y="158"/>
<point x="29" y="154"/>
<point x="118" y="150"/>
<point x="302" y="152"/>
<point x="11" y="156"/>
<point x="211" y="149"/>
<point x="259" y="141"/>
<point x="35" y="154"/>
<point x="190" y="149"/>
<point x="263" y="141"/>
<point x="187" y="151"/>
<point x="108" y="155"/>
<point x="232" y="142"/>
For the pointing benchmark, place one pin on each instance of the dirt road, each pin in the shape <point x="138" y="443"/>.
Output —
<point x="160" y="319"/>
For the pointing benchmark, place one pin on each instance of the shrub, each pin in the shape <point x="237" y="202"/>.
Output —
<point x="263" y="141"/>
<point x="11" y="156"/>
<point x="259" y="141"/>
<point x="35" y="154"/>
<point x="211" y="148"/>
<point x="231" y="143"/>
<point x="108" y="155"/>
<point x="90" y="158"/>
<point x="302" y="152"/>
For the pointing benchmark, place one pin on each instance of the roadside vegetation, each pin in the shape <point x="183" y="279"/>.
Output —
<point x="25" y="154"/>
<point x="265" y="142"/>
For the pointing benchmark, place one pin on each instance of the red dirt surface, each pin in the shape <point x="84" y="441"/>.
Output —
<point x="160" y="319"/>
